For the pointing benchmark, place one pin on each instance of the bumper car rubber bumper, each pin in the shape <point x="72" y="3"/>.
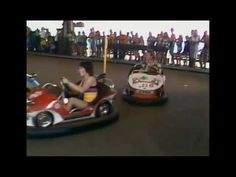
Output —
<point x="143" y="102"/>
<point x="75" y="126"/>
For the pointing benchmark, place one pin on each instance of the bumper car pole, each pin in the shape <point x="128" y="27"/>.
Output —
<point x="105" y="56"/>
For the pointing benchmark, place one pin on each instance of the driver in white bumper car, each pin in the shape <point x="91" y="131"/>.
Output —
<point x="150" y="63"/>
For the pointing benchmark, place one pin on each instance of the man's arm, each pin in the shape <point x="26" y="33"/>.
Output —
<point x="83" y="88"/>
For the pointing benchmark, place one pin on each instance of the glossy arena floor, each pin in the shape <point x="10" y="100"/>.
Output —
<point x="178" y="128"/>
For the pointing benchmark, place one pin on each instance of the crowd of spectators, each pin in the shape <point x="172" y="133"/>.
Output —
<point x="122" y="45"/>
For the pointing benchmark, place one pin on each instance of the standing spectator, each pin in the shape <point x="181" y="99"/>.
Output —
<point x="47" y="34"/>
<point x="159" y="47"/>
<point x="150" y="41"/>
<point x="132" y="36"/>
<point x="121" y="40"/>
<point x="103" y="42"/>
<point x="110" y="37"/>
<point x="98" y="43"/>
<point x="136" y="42"/>
<point x="79" y="40"/>
<point x="172" y="44"/>
<point x="205" y="51"/>
<point x="84" y="46"/>
<point x="132" y="43"/>
<point x="72" y="47"/>
<point x="172" y="31"/>
<point x="186" y="50"/>
<point x="43" y="45"/>
<point x="114" y="42"/>
<point x="194" y="42"/>
<point x="179" y="42"/>
<point x="191" y="49"/>
<point x="110" y="43"/>
<point x="165" y="44"/>
<point x="28" y="38"/>
<point x="37" y="38"/>
<point x="162" y="34"/>
<point x="92" y="41"/>
<point x="60" y="45"/>
<point x="51" y="44"/>
<point x="43" y="33"/>
<point x="56" y="39"/>
<point x="136" y="39"/>
<point x="33" y="41"/>
<point x="141" y="42"/>
<point x="129" y="38"/>
<point x="129" y="42"/>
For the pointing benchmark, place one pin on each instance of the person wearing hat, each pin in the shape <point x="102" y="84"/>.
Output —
<point x="87" y="87"/>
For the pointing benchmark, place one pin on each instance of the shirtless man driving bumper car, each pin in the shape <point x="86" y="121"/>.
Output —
<point x="150" y="63"/>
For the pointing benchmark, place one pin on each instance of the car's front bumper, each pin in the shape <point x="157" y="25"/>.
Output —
<point x="68" y="127"/>
<point x="143" y="102"/>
